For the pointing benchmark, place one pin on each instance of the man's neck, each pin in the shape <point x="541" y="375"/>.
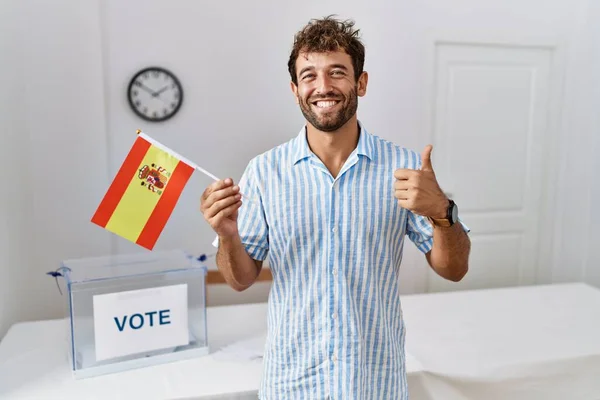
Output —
<point x="334" y="148"/>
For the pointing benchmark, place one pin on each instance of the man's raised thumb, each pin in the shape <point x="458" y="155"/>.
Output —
<point x="426" y="159"/>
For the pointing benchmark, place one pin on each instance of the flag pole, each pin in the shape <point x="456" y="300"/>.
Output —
<point x="185" y="160"/>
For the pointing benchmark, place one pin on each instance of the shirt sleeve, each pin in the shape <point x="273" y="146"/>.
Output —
<point x="252" y="223"/>
<point x="419" y="231"/>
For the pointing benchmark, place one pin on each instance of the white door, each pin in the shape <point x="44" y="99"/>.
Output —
<point x="491" y="137"/>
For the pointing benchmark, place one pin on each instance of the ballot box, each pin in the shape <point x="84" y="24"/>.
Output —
<point x="133" y="310"/>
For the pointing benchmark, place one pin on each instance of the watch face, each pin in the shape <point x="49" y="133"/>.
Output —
<point x="454" y="213"/>
<point x="155" y="94"/>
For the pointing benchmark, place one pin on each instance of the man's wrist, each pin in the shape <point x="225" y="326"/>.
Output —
<point x="229" y="239"/>
<point x="442" y="211"/>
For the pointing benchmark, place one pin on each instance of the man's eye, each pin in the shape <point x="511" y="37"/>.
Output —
<point x="308" y="76"/>
<point x="338" y="72"/>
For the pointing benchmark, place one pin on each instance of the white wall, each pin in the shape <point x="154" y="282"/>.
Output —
<point x="10" y="106"/>
<point x="66" y="124"/>
<point x="576" y="236"/>
<point x="592" y="251"/>
<point x="54" y="137"/>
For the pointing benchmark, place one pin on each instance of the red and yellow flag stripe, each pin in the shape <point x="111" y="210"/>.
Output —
<point x="143" y="194"/>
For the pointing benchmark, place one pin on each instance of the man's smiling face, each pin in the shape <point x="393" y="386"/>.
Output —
<point x="327" y="91"/>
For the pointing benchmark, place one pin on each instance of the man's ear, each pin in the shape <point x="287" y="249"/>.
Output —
<point x="363" y="79"/>
<point x="295" y="91"/>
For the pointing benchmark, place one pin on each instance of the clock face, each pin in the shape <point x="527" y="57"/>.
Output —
<point x="155" y="94"/>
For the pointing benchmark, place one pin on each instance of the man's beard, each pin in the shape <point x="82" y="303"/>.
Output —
<point x="332" y="121"/>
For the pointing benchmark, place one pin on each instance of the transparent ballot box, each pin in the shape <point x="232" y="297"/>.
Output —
<point x="134" y="310"/>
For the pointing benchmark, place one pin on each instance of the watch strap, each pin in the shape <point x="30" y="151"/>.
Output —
<point x="444" y="222"/>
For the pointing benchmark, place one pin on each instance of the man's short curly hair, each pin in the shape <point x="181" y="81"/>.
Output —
<point x="328" y="34"/>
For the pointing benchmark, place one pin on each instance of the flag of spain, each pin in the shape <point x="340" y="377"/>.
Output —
<point x="144" y="193"/>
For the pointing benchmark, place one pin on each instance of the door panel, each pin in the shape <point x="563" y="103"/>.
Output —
<point x="491" y="108"/>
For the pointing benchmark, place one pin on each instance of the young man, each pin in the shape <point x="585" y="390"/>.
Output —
<point x="332" y="207"/>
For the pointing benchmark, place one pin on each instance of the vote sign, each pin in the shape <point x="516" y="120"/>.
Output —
<point x="140" y="320"/>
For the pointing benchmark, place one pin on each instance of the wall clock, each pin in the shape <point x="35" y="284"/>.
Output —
<point x="155" y="94"/>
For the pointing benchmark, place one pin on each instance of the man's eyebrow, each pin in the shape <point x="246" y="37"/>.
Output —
<point x="340" y="66"/>
<point x="303" y="70"/>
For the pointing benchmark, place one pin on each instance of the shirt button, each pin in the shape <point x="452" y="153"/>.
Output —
<point x="334" y="358"/>
<point x="334" y="316"/>
<point x="334" y="271"/>
<point x="333" y="230"/>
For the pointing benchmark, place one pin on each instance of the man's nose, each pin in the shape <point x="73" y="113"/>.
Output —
<point x="324" y="84"/>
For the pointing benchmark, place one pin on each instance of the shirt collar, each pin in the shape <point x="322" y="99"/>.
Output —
<point x="302" y="151"/>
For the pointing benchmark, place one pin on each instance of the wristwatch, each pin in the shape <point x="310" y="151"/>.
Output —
<point x="451" y="216"/>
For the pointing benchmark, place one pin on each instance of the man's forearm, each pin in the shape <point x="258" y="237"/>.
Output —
<point x="449" y="256"/>
<point x="238" y="269"/>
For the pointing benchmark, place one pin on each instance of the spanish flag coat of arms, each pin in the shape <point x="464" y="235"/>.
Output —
<point x="144" y="192"/>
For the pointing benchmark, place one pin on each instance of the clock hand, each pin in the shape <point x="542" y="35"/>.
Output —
<point x="146" y="88"/>
<point x="153" y="93"/>
<point x="156" y="94"/>
<point x="161" y="99"/>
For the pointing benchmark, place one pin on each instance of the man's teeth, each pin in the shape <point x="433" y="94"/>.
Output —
<point x="325" y="104"/>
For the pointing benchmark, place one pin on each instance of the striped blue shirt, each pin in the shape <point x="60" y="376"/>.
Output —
<point x="335" y="327"/>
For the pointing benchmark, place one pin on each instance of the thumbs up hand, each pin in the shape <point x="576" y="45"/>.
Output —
<point x="418" y="190"/>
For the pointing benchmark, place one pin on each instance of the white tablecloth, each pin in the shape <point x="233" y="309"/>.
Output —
<point x="34" y="365"/>
<point x="539" y="342"/>
<point x="530" y="343"/>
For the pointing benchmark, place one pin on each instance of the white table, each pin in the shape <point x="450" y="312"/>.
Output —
<point x="34" y="365"/>
<point x="533" y="343"/>
<point x="540" y="342"/>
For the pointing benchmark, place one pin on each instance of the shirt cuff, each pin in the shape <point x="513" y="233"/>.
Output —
<point x="256" y="252"/>
<point x="425" y="246"/>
